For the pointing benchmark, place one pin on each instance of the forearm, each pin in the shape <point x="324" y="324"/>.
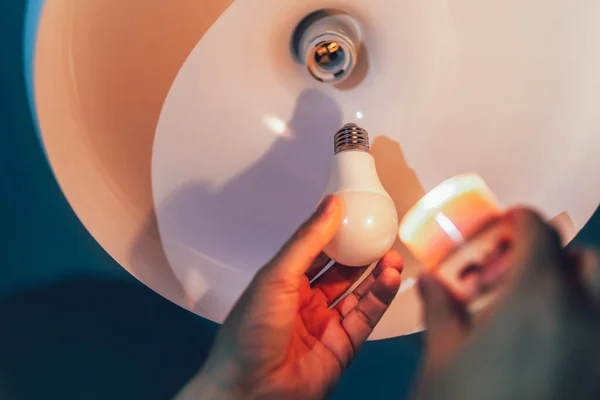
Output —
<point x="492" y="381"/>
<point x="204" y="387"/>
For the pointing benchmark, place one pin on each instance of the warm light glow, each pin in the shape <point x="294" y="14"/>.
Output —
<point x="443" y="193"/>
<point x="333" y="47"/>
<point x="438" y="196"/>
<point x="448" y="226"/>
<point x="446" y="216"/>
<point x="359" y="114"/>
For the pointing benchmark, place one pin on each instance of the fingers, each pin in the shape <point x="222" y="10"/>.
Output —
<point x="447" y="320"/>
<point x="589" y="269"/>
<point x="392" y="259"/>
<point x="361" y="320"/>
<point x="534" y="241"/>
<point x="298" y="254"/>
<point x="337" y="280"/>
<point x="564" y="226"/>
<point x="534" y="250"/>
<point x="525" y="249"/>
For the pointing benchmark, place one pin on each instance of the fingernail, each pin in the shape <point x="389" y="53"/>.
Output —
<point x="325" y="206"/>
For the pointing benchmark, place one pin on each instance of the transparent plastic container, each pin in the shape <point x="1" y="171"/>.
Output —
<point x="452" y="230"/>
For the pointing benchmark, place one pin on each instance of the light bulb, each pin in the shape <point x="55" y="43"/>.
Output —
<point x="370" y="224"/>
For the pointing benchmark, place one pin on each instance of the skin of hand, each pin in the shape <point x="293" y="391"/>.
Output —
<point x="540" y="340"/>
<point x="283" y="339"/>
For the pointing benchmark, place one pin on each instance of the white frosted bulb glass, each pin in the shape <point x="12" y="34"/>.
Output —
<point x="370" y="224"/>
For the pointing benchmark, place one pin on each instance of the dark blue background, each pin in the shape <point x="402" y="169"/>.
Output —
<point x="73" y="324"/>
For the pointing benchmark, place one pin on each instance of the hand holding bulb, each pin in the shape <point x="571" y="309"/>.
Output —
<point x="288" y="336"/>
<point x="370" y="222"/>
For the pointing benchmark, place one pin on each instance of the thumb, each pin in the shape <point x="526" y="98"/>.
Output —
<point x="301" y="250"/>
<point x="447" y="320"/>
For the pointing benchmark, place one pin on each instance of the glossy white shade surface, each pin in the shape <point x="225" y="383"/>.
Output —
<point x="241" y="154"/>
<point x="102" y="70"/>
<point x="195" y="203"/>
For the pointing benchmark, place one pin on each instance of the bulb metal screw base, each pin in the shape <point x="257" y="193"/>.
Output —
<point x="351" y="137"/>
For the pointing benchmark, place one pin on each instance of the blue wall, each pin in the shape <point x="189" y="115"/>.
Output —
<point x="43" y="238"/>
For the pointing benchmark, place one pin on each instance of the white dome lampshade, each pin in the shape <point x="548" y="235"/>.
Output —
<point x="192" y="140"/>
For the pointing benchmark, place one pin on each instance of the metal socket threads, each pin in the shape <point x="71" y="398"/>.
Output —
<point x="327" y="42"/>
<point x="351" y="137"/>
